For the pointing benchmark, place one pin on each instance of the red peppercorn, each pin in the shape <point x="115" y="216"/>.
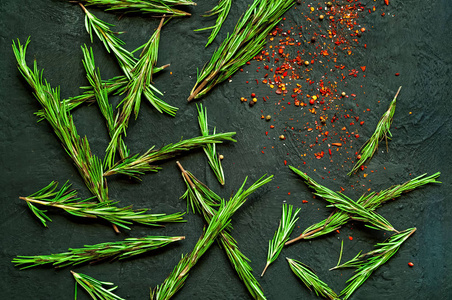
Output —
<point x="311" y="101"/>
<point x="253" y="95"/>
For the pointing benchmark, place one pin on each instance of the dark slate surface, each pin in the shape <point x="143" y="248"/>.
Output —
<point x="416" y="43"/>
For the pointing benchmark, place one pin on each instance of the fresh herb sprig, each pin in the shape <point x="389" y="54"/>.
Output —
<point x="55" y="112"/>
<point x="344" y="203"/>
<point x="219" y="221"/>
<point x="243" y="44"/>
<point x="199" y="196"/>
<point x="154" y="7"/>
<point x="95" y="288"/>
<point x="210" y="149"/>
<point x="375" y="259"/>
<point x="311" y="280"/>
<point x="382" y="131"/>
<point x="126" y="60"/>
<point x="66" y="199"/>
<point x="372" y="201"/>
<point x="137" y="164"/>
<point x="95" y="253"/>
<point x="285" y="228"/>
<point x="222" y="10"/>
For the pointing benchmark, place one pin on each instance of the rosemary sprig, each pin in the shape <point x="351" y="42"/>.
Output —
<point x="127" y="61"/>
<point x="222" y="10"/>
<point x="285" y="228"/>
<point x="356" y="210"/>
<point x="200" y="196"/>
<point x="375" y="259"/>
<point x="55" y="112"/>
<point x="210" y="149"/>
<point x="65" y="199"/>
<point x="95" y="253"/>
<point x="243" y="44"/>
<point x="219" y="221"/>
<point x="311" y="280"/>
<point x="368" y="149"/>
<point x="372" y="201"/>
<point x="155" y="7"/>
<point x="139" y="164"/>
<point x="95" y="287"/>
<point x="101" y="94"/>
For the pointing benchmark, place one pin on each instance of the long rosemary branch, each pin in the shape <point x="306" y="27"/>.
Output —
<point x="155" y="7"/>
<point x="243" y="44"/>
<point x="375" y="259"/>
<point x="311" y="280"/>
<point x="138" y="164"/>
<point x="210" y="149"/>
<point x="95" y="287"/>
<point x="285" y="228"/>
<point x="372" y="201"/>
<point x="356" y="210"/>
<point x="219" y="221"/>
<point x="222" y="10"/>
<point x="66" y="199"/>
<point x="55" y="112"/>
<point x="368" y="149"/>
<point x="95" y="253"/>
<point x="201" y="197"/>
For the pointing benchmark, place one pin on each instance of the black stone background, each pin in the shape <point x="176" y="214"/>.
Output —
<point x="416" y="43"/>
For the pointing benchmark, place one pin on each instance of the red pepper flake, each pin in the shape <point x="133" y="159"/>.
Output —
<point x="272" y="126"/>
<point x="387" y="2"/>
<point x="262" y="151"/>
<point x="266" y="133"/>
<point x="350" y="238"/>
<point x="329" y="151"/>
<point x="363" y="68"/>
<point x="410" y="264"/>
<point x="253" y="95"/>
<point x="285" y="162"/>
<point x="337" y="230"/>
<point x="336" y="144"/>
<point x="361" y="123"/>
<point x="397" y="74"/>
<point x="280" y="51"/>
<point x="288" y="193"/>
<point x="305" y="201"/>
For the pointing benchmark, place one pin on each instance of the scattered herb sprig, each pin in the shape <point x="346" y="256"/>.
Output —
<point x="210" y="149"/>
<point x="374" y="260"/>
<point x="137" y="164"/>
<point x="222" y="10"/>
<point x="66" y="199"/>
<point x="285" y="228"/>
<point x="372" y="201"/>
<point x="243" y="44"/>
<point x="311" y="280"/>
<point x="200" y="196"/>
<point x="356" y="210"/>
<point x="155" y="7"/>
<point x="219" y="221"/>
<point x="95" y="253"/>
<point x="382" y="131"/>
<point x="95" y="288"/>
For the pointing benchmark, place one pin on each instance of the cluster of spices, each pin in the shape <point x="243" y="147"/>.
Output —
<point x="308" y="69"/>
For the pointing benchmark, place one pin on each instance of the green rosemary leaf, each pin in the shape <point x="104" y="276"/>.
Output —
<point x="210" y="149"/>
<point x="155" y="7"/>
<point x="285" y="228"/>
<point x="138" y="164"/>
<point x="222" y="10"/>
<point x="311" y="280"/>
<point x="218" y="222"/>
<point x="205" y="201"/>
<point x="120" y="216"/>
<point x="368" y="149"/>
<point x="372" y="201"/>
<point x="344" y="203"/>
<point x="95" y="253"/>
<point x="95" y="287"/>
<point x="383" y="252"/>
<point x="243" y="44"/>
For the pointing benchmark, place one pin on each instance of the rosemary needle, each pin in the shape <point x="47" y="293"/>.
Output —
<point x="95" y="288"/>
<point x="222" y="10"/>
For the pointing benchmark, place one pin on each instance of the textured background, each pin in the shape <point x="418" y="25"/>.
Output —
<point x="416" y="43"/>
